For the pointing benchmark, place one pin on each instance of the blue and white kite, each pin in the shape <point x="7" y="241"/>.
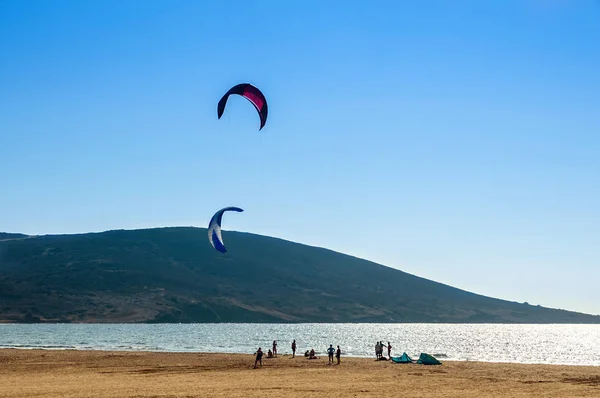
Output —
<point x="214" y="228"/>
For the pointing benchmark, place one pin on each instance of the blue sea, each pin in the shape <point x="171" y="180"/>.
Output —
<point x="546" y="344"/>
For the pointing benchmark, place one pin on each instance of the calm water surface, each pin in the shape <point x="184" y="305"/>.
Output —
<point x="550" y="344"/>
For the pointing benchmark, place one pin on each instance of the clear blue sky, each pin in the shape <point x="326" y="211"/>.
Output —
<point x="455" y="140"/>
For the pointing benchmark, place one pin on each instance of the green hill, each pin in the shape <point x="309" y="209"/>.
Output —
<point x="174" y="275"/>
<point x="7" y="236"/>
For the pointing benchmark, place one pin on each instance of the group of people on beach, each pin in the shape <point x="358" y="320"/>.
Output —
<point x="331" y="352"/>
<point x="379" y="346"/>
<point x="308" y="354"/>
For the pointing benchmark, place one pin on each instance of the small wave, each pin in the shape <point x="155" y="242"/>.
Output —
<point x="38" y="346"/>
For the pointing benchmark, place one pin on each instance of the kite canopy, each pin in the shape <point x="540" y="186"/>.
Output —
<point x="402" y="359"/>
<point x="252" y="94"/>
<point x="426" y="359"/>
<point x="214" y="229"/>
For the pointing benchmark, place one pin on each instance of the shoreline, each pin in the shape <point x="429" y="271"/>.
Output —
<point x="101" y="373"/>
<point x="299" y="355"/>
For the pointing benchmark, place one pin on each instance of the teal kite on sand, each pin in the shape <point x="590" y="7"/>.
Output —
<point x="402" y="359"/>
<point x="426" y="359"/>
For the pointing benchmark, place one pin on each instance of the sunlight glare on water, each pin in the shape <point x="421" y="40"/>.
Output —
<point x="550" y="344"/>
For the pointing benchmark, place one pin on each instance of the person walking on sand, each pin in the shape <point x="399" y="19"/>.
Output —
<point x="338" y="353"/>
<point x="274" y="348"/>
<point x="330" y="351"/>
<point x="294" y="349"/>
<point x="389" y="347"/>
<point x="259" y="355"/>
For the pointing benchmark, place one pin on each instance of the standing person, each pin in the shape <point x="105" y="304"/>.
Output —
<point x="377" y="350"/>
<point x="338" y="353"/>
<point x="330" y="351"/>
<point x="294" y="348"/>
<point x="274" y="348"/>
<point x="259" y="355"/>
<point x="389" y="347"/>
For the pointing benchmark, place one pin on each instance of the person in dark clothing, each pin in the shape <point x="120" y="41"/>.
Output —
<point x="259" y="355"/>
<point x="294" y="349"/>
<point x="338" y="353"/>
<point x="330" y="351"/>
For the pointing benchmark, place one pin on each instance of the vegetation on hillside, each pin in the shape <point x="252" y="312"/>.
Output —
<point x="6" y="236"/>
<point x="174" y="275"/>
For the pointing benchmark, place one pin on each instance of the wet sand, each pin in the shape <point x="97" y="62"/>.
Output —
<point x="42" y="373"/>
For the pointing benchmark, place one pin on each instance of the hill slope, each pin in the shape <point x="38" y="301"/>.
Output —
<point x="174" y="275"/>
<point x="7" y="236"/>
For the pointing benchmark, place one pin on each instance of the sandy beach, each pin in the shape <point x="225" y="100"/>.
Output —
<point x="43" y="373"/>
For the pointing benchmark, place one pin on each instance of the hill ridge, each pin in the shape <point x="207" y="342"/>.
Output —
<point x="172" y="274"/>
